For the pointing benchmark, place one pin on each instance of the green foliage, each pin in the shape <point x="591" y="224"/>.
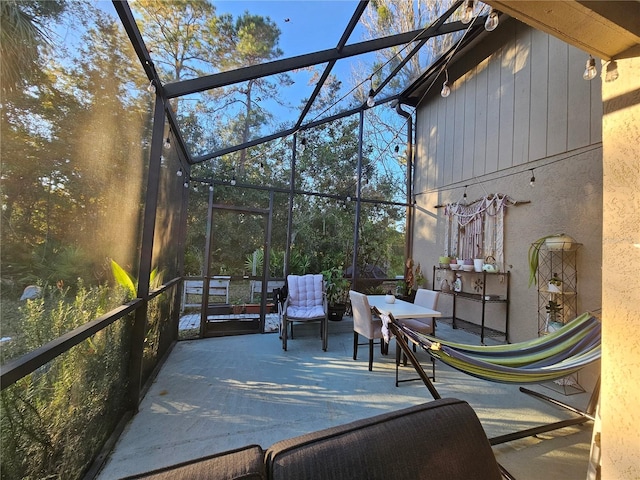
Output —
<point x="129" y="284"/>
<point x="337" y="286"/>
<point x="299" y="263"/>
<point x="54" y="421"/>
<point x="534" y="256"/>
<point x="23" y="32"/>
<point x="123" y="279"/>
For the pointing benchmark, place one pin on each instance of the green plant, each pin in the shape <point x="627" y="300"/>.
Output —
<point x="534" y="257"/>
<point x="555" y="281"/>
<point x="553" y="310"/>
<point x="337" y="286"/>
<point x="126" y="280"/>
<point x="56" y="420"/>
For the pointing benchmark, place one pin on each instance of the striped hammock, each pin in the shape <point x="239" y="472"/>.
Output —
<point x="549" y="357"/>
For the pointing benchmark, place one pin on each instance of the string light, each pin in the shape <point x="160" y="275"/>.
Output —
<point x="467" y="11"/>
<point x="446" y="90"/>
<point x="233" y="180"/>
<point x="532" y="181"/>
<point x="303" y="144"/>
<point x="151" y="88"/>
<point x="211" y="187"/>
<point x="492" y="21"/>
<point x="167" y="144"/>
<point x="186" y="184"/>
<point x="371" y="99"/>
<point x="396" y="149"/>
<point x="179" y="172"/>
<point x="590" y="71"/>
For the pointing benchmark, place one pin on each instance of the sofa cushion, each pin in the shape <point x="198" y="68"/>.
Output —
<point x="246" y="463"/>
<point x="442" y="439"/>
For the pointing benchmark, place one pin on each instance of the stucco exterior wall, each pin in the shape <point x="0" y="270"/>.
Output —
<point x="620" y="400"/>
<point x="523" y="107"/>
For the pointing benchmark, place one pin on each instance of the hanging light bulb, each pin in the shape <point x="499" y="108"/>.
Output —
<point x="211" y="187"/>
<point x="167" y="144"/>
<point x="179" y="172"/>
<point x="261" y="167"/>
<point x="467" y="11"/>
<point x="371" y="99"/>
<point x="396" y="149"/>
<point x="186" y="184"/>
<point x="303" y="145"/>
<point x="532" y="181"/>
<point x="233" y="180"/>
<point x="492" y="21"/>
<point x="446" y="90"/>
<point x="151" y="88"/>
<point x="590" y="71"/>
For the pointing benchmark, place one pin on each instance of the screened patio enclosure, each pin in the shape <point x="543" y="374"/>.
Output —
<point x="148" y="143"/>
<point x="129" y="167"/>
<point x="330" y="177"/>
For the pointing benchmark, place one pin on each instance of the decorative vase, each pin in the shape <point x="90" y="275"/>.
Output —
<point x="457" y="285"/>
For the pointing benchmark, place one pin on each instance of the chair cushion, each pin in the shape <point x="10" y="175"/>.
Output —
<point x="305" y="290"/>
<point x="246" y="463"/>
<point x="418" y="325"/>
<point x="437" y="440"/>
<point x="305" y="312"/>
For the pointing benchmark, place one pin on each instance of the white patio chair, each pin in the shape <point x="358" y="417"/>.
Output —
<point x="306" y="302"/>
<point x="364" y="324"/>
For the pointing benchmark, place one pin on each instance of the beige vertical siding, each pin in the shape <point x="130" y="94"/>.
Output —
<point x="524" y="106"/>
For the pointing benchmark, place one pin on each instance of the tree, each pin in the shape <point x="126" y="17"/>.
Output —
<point x="69" y="167"/>
<point x="389" y="17"/>
<point x="23" y="33"/>
<point x="177" y="34"/>
<point x="247" y="40"/>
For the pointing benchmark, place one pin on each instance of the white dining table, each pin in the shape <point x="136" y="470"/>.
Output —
<point x="401" y="309"/>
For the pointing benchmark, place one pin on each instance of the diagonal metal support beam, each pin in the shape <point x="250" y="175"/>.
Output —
<point x="223" y="79"/>
<point x="133" y="32"/>
<point x="437" y="24"/>
<point x="284" y="133"/>
<point x="343" y="41"/>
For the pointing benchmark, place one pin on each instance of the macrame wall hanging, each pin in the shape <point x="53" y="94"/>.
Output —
<point x="476" y="230"/>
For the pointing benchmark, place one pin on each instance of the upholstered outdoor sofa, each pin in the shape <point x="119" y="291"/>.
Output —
<point x="442" y="439"/>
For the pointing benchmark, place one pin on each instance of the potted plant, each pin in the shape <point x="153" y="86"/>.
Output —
<point x="415" y="279"/>
<point x="554" y="315"/>
<point x="337" y="290"/>
<point x="558" y="241"/>
<point x="555" y="284"/>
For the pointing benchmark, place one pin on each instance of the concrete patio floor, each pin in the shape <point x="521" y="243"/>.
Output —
<point x="221" y="393"/>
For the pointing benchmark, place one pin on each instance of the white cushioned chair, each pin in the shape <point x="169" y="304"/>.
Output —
<point x="306" y="302"/>
<point x="428" y="299"/>
<point x="364" y="324"/>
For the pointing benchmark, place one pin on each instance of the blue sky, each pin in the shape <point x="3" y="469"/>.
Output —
<point x="312" y="26"/>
